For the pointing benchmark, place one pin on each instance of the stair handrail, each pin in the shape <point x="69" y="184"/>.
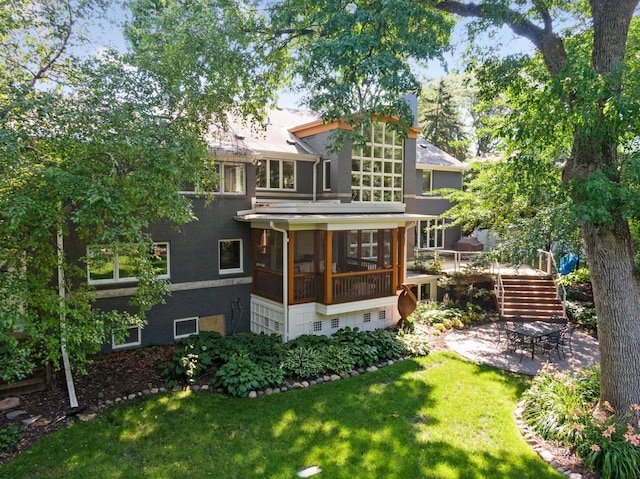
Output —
<point x="499" y="287"/>
<point x="552" y="269"/>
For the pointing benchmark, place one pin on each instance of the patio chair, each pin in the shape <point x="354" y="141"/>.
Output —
<point x="516" y="342"/>
<point x="552" y="342"/>
<point x="566" y="338"/>
<point x="557" y="319"/>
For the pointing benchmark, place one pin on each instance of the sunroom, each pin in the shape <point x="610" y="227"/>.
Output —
<point x="315" y="273"/>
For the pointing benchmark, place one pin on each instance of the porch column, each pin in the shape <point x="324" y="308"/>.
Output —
<point x="290" y="273"/>
<point x="328" y="268"/>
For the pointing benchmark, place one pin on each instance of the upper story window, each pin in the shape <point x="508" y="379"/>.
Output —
<point x="107" y="265"/>
<point x="427" y="181"/>
<point x="326" y="175"/>
<point x="376" y="168"/>
<point x="230" y="178"/>
<point x="276" y="175"/>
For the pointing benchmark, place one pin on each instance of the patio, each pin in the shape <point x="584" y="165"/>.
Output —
<point x="479" y="343"/>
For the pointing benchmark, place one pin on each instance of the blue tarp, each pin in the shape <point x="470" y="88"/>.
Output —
<point x="568" y="263"/>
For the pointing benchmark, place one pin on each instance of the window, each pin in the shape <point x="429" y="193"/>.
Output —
<point x="183" y="328"/>
<point x="335" y="323"/>
<point x="376" y="168"/>
<point x="107" y="265"/>
<point x="326" y="175"/>
<point x="230" y="178"/>
<point x="317" y="326"/>
<point x="427" y="185"/>
<point x="430" y="234"/>
<point x="230" y="256"/>
<point x="133" y="337"/>
<point x="276" y="175"/>
<point x="366" y="318"/>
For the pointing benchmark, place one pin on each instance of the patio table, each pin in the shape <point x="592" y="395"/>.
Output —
<point x="534" y="331"/>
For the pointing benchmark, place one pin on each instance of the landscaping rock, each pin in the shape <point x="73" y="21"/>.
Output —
<point x="14" y="414"/>
<point x="326" y="378"/>
<point x="131" y="396"/>
<point x="9" y="403"/>
<point x="305" y="384"/>
<point x="319" y="380"/>
<point x="154" y="390"/>
<point x="268" y="391"/>
<point x="205" y="387"/>
<point x="31" y="420"/>
<point x="297" y="385"/>
<point x="195" y="387"/>
<point x="355" y="373"/>
<point x="253" y="394"/>
<point x="371" y="369"/>
<point x="345" y="375"/>
<point x="335" y="377"/>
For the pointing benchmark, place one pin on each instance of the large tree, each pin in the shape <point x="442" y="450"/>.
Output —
<point x="95" y="149"/>
<point x="590" y="89"/>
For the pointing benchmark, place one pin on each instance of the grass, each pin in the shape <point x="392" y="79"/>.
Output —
<point x="433" y="417"/>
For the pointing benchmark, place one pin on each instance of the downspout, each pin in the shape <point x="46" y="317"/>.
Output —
<point x="315" y="179"/>
<point x="73" y="401"/>
<point x="409" y="226"/>
<point x="285" y="277"/>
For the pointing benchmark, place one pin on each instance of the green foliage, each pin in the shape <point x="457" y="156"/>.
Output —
<point x="240" y="375"/>
<point x="576" y="277"/>
<point x="303" y="362"/>
<point x="440" y="117"/>
<point x="553" y="399"/>
<point x="9" y="438"/>
<point x="414" y="344"/>
<point x="583" y="314"/>
<point x="563" y="406"/>
<point x="337" y="358"/>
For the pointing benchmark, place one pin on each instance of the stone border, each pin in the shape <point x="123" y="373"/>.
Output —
<point x="538" y="446"/>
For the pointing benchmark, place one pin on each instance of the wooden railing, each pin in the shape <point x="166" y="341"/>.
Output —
<point x="267" y="283"/>
<point x="362" y="285"/>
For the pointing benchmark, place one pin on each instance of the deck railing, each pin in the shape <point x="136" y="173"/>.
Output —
<point x="361" y="285"/>
<point x="498" y="287"/>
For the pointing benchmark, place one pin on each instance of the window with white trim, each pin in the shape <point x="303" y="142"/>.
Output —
<point x="108" y="265"/>
<point x="326" y="175"/>
<point x="185" y="327"/>
<point x="427" y="182"/>
<point x="133" y="337"/>
<point x="230" y="178"/>
<point x="276" y="175"/>
<point x="430" y="234"/>
<point x="376" y="167"/>
<point x="230" y="256"/>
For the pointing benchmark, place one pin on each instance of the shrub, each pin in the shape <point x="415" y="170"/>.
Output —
<point x="240" y="375"/>
<point x="611" y="444"/>
<point x="560" y="406"/>
<point x="583" y="314"/>
<point x="337" y="358"/>
<point x="303" y="362"/>
<point x="314" y="341"/>
<point x="385" y="342"/>
<point x="414" y="344"/>
<point x="9" y="438"/>
<point x="554" y="399"/>
<point x="364" y="355"/>
<point x="578" y="276"/>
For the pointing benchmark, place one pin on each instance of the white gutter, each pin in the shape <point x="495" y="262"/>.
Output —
<point x="285" y="277"/>
<point x="73" y="401"/>
<point x="406" y="236"/>
<point x="315" y="179"/>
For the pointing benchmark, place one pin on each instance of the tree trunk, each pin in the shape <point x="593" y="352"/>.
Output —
<point x="616" y="291"/>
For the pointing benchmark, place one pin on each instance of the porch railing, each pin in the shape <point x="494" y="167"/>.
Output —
<point x="362" y="285"/>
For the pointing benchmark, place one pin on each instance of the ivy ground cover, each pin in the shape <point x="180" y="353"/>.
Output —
<point x="431" y="417"/>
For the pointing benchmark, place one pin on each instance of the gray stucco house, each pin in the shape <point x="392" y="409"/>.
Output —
<point x="298" y="240"/>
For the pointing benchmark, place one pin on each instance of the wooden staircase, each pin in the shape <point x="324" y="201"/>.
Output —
<point x="531" y="297"/>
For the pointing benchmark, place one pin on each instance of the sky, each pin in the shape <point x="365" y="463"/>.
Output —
<point x="109" y="34"/>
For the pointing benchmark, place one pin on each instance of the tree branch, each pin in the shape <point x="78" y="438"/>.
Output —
<point x="545" y="39"/>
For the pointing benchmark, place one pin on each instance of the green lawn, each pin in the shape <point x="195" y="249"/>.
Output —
<point x="433" y="417"/>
